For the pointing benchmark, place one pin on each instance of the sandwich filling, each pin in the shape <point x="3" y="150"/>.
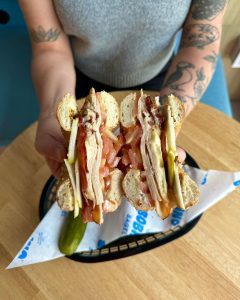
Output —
<point x="98" y="150"/>
<point x="150" y="148"/>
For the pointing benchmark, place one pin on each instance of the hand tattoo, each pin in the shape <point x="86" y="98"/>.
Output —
<point x="41" y="35"/>
<point x="212" y="58"/>
<point x="199" y="35"/>
<point x="207" y="9"/>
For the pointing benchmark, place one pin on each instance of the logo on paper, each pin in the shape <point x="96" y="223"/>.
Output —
<point x="25" y="250"/>
<point x="63" y="213"/>
<point x="236" y="183"/>
<point x="138" y="225"/>
<point x="126" y="224"/>
<point x="204" y="180"/>
<point x="101" y="243"/>
<point x="177" y="216"/>
<point x="41" y="238"/>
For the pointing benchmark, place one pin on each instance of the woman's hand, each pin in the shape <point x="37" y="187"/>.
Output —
<point x="50" y="143"/>
<point x="181" y="154"/>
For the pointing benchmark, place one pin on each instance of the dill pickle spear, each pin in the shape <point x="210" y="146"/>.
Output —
<point x="72" y="233"/>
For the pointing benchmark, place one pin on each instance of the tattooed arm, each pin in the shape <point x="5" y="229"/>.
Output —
<point x="52" y="62"/>
<point x="53" y="75"/>
<point x="193" y="66"/>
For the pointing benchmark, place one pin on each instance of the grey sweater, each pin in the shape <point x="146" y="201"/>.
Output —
<point x="122" y="43"/>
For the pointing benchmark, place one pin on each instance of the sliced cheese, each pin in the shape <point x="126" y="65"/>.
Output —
<point x="171" y="138"/>
<point x="78" y="190"/>
<point x="72" y="143"/>
<point x="170" y="163"/>
<point x="177" y="188"/>
<point x="72" y="179"/>
<point x="173" y="175"/>
<point x="170" y="146"/>
<point x="157" y="162"/>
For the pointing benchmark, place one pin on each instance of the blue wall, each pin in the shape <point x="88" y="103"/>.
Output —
<point x="18" y="102"/>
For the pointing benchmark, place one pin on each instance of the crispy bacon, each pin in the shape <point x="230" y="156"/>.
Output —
<point x="117" y="146"/>
<point x="153" y="110"/>
<point x="111" y="156"/>
<point x="131" y="155"/>
<point x="115" y="162"/>
<point x="148" y="102"/>
<point x="82" y="157"/>
<point x="107" y="146"/>
<point x="125" y="157"/>
<point x="150" y="199"/>
<point x="144" y="186"/>
<point x="104" y="171"/>
<point x="109" y="159"/>
<point x="107" y="181"/>
<point x="87" y="212"/>
<point x="133" y="134"/>
<point x="133" y="158"/>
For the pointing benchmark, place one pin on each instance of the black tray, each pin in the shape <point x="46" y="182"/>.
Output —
<point x="124" y="246"/>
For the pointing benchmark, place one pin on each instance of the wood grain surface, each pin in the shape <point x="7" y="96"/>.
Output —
<point x="204" y="264"/>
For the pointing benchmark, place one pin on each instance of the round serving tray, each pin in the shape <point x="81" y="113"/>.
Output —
<point x="124" y="246"/>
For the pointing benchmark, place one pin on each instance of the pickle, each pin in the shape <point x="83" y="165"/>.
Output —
<point x="72" y="233"/>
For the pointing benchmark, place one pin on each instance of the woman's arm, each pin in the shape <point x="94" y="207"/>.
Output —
<point x="52" y="62"/>
<point x="53" y="75"/>
<point x="193" y="66"/>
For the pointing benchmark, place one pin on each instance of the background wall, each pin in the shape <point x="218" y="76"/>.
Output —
<point x="231" y="30"/>
<point x="18" y="102"/>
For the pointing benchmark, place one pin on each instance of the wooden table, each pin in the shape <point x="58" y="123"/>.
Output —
<point x="204" y="264"/>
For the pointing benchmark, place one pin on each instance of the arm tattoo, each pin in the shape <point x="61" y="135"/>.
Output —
<point x="183" y="75"/>
<point x="174" y="80"/>
<point x="212" y="58"/>
<point x="207" y="9"/>
<point x="199" y="84"/>
<point x="199" y="35"/>
<point x="42" y="35"/>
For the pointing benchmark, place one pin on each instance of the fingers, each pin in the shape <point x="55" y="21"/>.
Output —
<point x="181" y="154"/>
<point x="55" y="167"/>
<point x="51" y="149"/>
<point x="50" y="141"/>
<point x="51" y="144"/>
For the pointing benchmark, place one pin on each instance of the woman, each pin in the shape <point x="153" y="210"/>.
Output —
<point x="116" y="45"/>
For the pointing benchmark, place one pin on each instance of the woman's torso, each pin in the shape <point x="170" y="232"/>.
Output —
<point x="122" y="43"/>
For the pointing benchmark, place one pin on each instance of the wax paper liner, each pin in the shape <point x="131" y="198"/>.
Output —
<point x="42" y="245"/>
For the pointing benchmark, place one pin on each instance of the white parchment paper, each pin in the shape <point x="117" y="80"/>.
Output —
<point x="42" y="245"/>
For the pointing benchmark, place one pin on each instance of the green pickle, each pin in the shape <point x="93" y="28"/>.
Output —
<point x="72" y="233"/>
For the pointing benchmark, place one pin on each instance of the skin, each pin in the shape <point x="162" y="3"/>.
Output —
<point x="54" y="75"/>
<point x="193" y="67"/>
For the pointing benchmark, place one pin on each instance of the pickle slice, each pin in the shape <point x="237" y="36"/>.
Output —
<point x="72" y="233"/>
